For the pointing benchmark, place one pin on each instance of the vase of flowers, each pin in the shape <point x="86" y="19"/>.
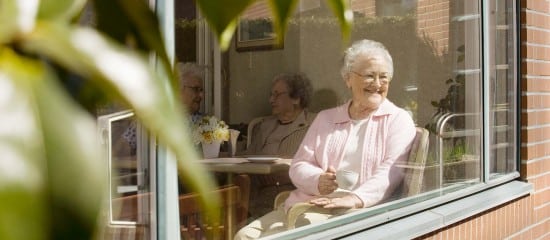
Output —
<point x="210" y="132"/>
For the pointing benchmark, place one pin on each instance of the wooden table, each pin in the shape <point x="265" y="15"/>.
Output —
<point x="237" y="170"/>
<point x="242" y="165"/>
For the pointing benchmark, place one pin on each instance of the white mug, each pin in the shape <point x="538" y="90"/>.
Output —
<point x="233" y="135"/>
<point x="346" y="179"/>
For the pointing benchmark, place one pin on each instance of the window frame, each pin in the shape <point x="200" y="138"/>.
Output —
<point x="166" y="188"/>
<point x="383" y="213"/>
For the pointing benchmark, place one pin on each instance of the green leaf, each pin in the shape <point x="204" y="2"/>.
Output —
<point x="341" y="9"/>
<point x="112" y="21"/>
<point x="222" y="17"/>
<point x="16" y="17"/>
<point x="130" y="77"/>
<point x="8" y="23"/>
<point x="76" y="174"/>
<point x="141" y="17"/>
<point x="22" y="166"/>
<point x="62" y="10"/>
<point x="122" y="19"/>
<point x="282" y="11"/>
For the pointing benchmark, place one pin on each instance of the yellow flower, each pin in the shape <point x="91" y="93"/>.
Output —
<point x="210" y="129"/>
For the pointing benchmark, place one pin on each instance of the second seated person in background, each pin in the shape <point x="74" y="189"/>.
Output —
<point x="280" y="134"/>
<point x="367" y="135"/>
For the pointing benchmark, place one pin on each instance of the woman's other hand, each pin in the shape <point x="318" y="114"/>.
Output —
<point x="347" y="201"/>
<point x="327" y="181"/>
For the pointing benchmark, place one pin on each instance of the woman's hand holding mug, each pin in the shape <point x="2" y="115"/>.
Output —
<point x="327" y="181"/>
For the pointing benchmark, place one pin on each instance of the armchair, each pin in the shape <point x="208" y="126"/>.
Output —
<point x="412" y="182"/>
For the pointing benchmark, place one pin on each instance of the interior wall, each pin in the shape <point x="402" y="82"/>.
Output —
<point x="314" y="46"/>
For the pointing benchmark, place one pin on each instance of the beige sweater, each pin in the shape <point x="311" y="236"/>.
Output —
<point x="291" y="138"/>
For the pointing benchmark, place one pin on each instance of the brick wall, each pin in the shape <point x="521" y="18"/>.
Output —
<point x="257" y="10"/>
<point x="433" y="22"/>
<point x="528" y="217"/>
<point x="366" y="7"/>
<point x="535" y="109"/>
<point x="498" y="223"/>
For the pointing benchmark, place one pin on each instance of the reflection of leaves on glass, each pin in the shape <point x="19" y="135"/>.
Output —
<point x="454" y="153"/>
<point x="186" y="36"/>
<point x="453" y="101"/>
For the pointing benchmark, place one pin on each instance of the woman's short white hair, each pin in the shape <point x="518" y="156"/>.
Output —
<point x="362" y="48"/>
<point x="189" y="69"/>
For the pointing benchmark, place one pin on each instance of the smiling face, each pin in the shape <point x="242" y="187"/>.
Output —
<point x="368" y="80"/>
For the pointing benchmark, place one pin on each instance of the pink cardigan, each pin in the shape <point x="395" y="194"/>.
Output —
<point x="389" y="135"/>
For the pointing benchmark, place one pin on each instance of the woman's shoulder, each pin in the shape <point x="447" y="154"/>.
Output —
<point x="309" y="116"/>
<point x="398" y="116"/>
<point x="267" y="121"/>
<point x="335" y="114"/>
<point x="389" y="108"/>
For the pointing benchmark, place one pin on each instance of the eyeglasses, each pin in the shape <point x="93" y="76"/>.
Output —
<point x="275" y="95"/>
<point x="369" y="78"/>
<point x="195" y="89"/>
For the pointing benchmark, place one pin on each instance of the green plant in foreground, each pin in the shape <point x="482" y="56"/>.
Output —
<point x="52" y="180"/>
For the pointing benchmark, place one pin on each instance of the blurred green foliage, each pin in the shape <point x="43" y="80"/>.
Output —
<point x="52" y="179"/>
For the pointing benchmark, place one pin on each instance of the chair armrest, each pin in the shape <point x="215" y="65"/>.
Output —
<point x="295" y="211"/>
<point x="280" y="199"/>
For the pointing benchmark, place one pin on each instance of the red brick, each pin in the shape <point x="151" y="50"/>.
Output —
<point x="541" y="198"/>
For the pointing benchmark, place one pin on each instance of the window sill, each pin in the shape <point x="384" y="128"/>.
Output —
<point x="402" y="220"/>
<point x="441" y="216"/>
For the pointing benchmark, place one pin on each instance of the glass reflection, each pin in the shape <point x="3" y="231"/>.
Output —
<point x="502" y="104"/>
<point x="129" y="210"/>
<point x="436" y="49"/>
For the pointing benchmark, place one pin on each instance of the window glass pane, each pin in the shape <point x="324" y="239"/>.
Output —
<point x="503" y="108"/>
<point x="129" y="213"/>
<point x="185" y="30"/>
<point x="436" y="53"/>
<point x="457" y="122"/>
<point x="436" y="49"/>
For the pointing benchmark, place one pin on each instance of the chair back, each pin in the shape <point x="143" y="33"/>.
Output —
<point x="416" y="164"/>
<point x="132" y="208"/>
<point x="194" y="224"/>
<point x="250" y="130"/>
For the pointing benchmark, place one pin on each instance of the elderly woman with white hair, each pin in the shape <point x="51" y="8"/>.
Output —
<point x="191" y="78"/>
<point x="367" y="135"/>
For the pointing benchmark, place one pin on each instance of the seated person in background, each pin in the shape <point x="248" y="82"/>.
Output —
<point x="367" y="135"/>
<point x="280" y="134"/>
<point x="191" y="78"/>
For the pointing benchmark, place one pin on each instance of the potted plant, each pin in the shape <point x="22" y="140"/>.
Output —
<point x="459" y="164"/>
<point x="210" y="132"/>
